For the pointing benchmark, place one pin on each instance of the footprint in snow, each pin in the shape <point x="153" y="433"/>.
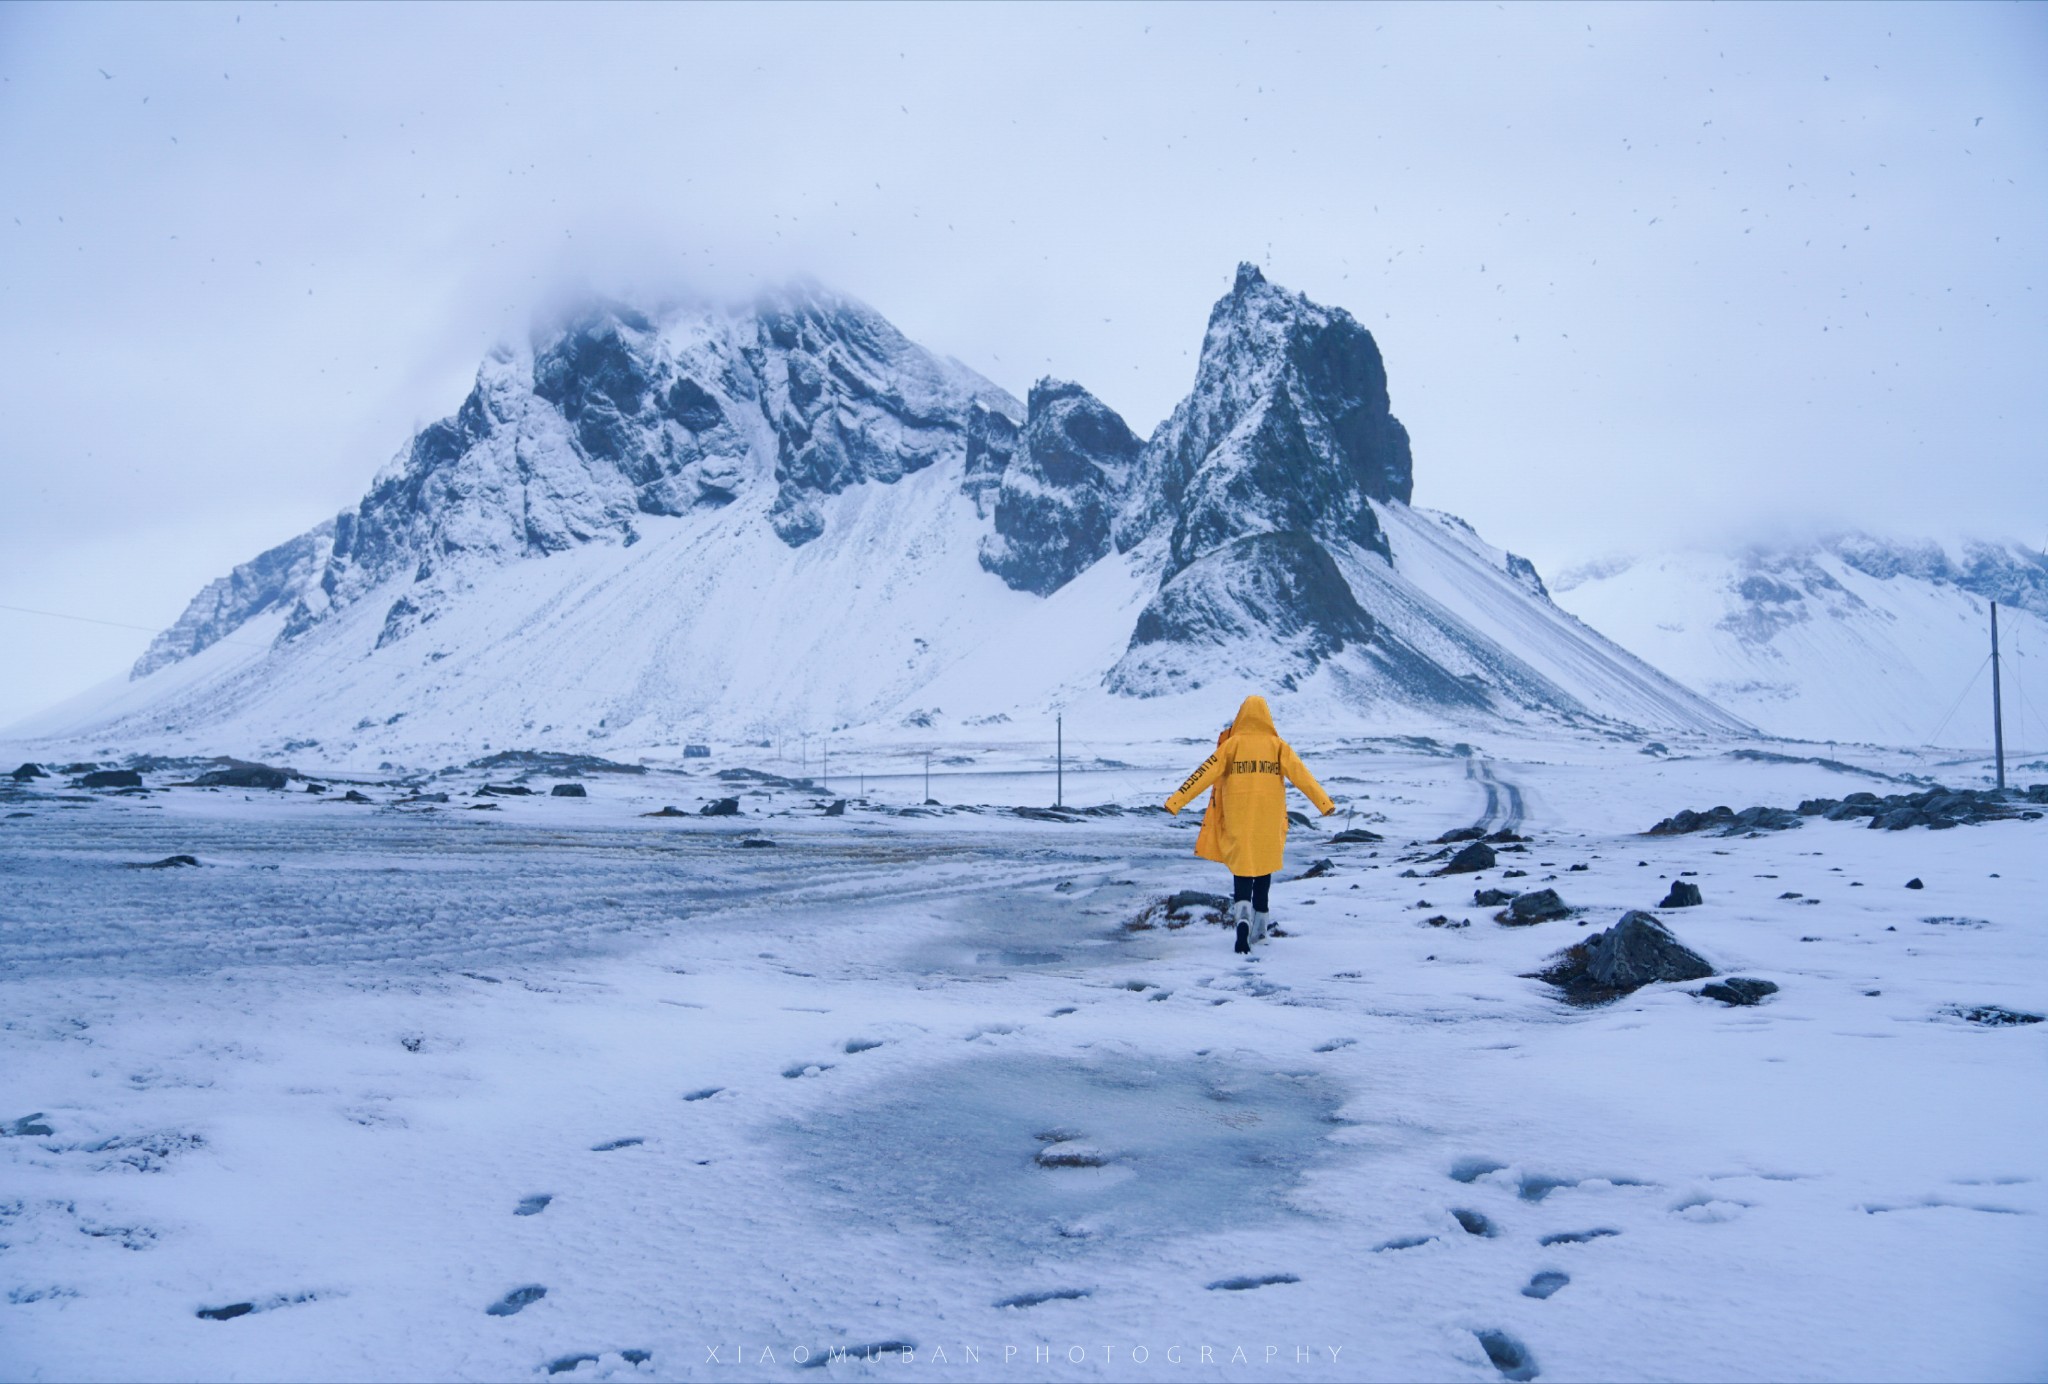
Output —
<point x="611" y="1144"/>
<point x="1405" y="1242"/>
<point x="1576" y="1237"/>
<point x="1035" y="1299"/>
<point x="706" y="1094"/>
<point x="1545" y="1283"/>
<point x="1472" y="1169"/>
<point x="518" y="1300"/>
<point x="533" y="1205"/>
<point x="806" y="1069"/>
<point x="854" y="1045"/>
<point x="1336" y="1045"/>
<point x="1475" y="1224"/>
<point x="1508" y="1355"/>
<point x="567" y="1363"/>
<point x="1241" y="1285"/>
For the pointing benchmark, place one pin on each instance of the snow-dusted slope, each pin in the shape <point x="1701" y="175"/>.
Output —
<point x="1850" y="638"/>
<point x="646" y="528"/>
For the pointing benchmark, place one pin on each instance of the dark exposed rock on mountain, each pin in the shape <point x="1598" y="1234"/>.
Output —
<point x="1635" y="952"/>
<point x="1288" y="427"/>
<point x="1280" y="590"/>
<point x="270" y="581"/>
<point x="1053" y="507"/>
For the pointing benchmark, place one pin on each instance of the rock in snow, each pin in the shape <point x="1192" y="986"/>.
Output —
<point x="1475" y="857"/>
<point x="1635" y="952"/>
<point x="1739" y="990"/>
<point x="1684" y="894"/>
<point x="1538" y="907"/>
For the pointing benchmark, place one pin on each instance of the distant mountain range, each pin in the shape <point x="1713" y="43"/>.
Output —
<point x="1846" y="638"/>
<point x="649" y="526"/>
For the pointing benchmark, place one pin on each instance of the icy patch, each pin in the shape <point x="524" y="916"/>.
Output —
<point x="980" y="1150"/>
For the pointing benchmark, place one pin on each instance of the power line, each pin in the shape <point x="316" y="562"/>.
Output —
<point x="1959" y="700"/>
<point x="115" y="624"/>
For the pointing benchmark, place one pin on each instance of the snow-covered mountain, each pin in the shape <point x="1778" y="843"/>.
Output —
<point x="652" y="525"/>
<point x="1844" y="638"/>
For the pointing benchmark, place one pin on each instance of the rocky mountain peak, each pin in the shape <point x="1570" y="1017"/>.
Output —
<point x="1069" y="466"/>
<point x="1288" y="428"/>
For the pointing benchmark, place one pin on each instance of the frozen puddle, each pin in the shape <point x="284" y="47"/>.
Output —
<point x="1029" y="1153"/>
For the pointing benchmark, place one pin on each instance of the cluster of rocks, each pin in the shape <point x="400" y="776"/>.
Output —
<point x="1728" y="821"/>
<point x="1935" y="807"/>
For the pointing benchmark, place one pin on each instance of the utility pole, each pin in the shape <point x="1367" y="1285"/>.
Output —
<point x="1997" y="709"/>
<point x="927" y="775"/>
<point x="1059" y="759"/>
<point x="825" y="774"/>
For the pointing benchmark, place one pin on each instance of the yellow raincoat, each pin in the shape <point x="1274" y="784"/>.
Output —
<point x="1246" y="824"/>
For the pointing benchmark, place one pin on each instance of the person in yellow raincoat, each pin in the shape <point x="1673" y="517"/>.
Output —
<point x="1245" y="826"/>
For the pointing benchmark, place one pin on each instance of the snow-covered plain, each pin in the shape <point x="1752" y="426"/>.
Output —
<point x="384" y="1073"/>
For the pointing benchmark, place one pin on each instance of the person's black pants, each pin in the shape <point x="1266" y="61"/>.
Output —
<point x="1256" y="888"/>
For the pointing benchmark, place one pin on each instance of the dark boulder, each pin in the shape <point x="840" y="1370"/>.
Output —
<point x="1492" y="898"/>
<point x="27" y="772"/>
<point x="1815" y="807"/>
<point x="670" y="811"/>
<point x="567" y="790"/>
<point x="1458" y="834"/>
<point x="1357" y="836"/>
<point x="506" y="790"/>
<point x="169" y="862"/>
<point x="353" y="797"/>
<point x="1739" y="990"/>
<point x="1635" y="952"/>
<point x="244" y="774"/>
<point x="1319" y="869"/>
<point x="1475" y="857"/>
<point x="836" y="808"/>
<point x="1914" y="883"/>
<point x="1684" y="894"/>
<point x="721" y="807"/>
<point x="1538" y="907"/>
<point x="111" y="778"/>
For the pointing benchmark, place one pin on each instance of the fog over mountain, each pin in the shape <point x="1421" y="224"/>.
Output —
<point x="1644" y="275"/>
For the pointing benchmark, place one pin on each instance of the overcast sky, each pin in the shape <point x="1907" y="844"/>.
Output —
<point x="1642" y="275"/>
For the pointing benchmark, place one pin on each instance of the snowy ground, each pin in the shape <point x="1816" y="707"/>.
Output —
<point x="384" y="1073"/>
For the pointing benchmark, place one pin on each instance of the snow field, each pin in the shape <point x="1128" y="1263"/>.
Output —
<point x="915" y="1081"/>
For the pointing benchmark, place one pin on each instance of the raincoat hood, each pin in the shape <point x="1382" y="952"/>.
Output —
<point x="1253" y="718"/>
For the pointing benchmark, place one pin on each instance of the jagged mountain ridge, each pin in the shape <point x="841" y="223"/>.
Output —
<point x="787" y="511"/>
<point x="1847" y="637"/>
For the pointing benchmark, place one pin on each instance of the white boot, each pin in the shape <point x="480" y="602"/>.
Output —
<point x="1241" y="924"/>
<point x="1259" y="922"/>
